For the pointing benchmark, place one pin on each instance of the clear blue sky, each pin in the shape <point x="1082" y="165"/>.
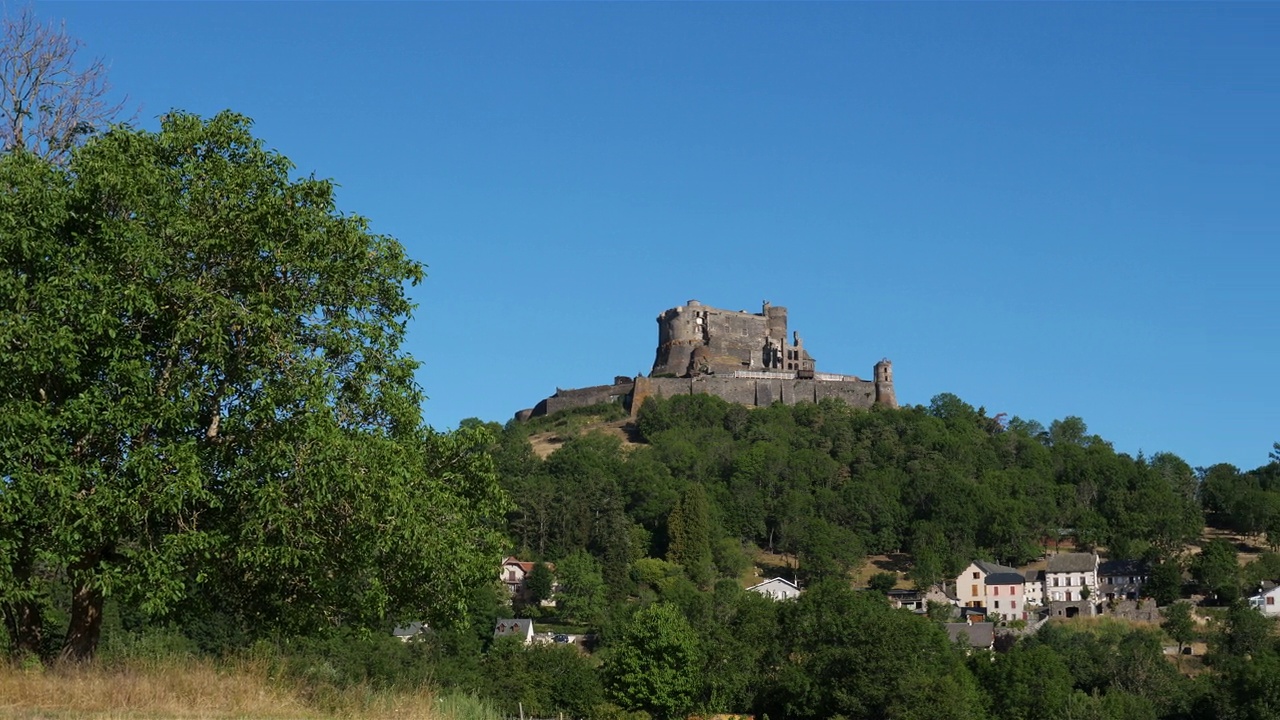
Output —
<point x="1046" y="209"/>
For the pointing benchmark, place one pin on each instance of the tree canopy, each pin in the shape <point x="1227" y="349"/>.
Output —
<point x="202" y="387"/>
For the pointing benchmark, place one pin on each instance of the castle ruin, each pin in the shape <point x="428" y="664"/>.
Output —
<point x="741" y="357"/>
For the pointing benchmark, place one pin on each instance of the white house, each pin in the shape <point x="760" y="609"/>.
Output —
<point x="513" y="573"/>
<point x="1069" y="574"/>
<point x="1033" y="587"/>
<point x="1265" y="601"/>
<point x="515" y="576"/>
<point x="777" y="589"/>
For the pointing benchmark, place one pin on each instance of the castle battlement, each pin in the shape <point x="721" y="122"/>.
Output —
<point x="739" y="356"/>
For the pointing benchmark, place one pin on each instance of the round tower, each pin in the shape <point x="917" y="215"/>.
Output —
<point x="884" y="384"/>
<point x="679" y="331"/>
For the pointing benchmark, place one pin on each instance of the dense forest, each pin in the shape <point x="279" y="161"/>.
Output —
<point x="649" y="541"/>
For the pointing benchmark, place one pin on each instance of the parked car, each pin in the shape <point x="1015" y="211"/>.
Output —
<point x="561" y="638"/>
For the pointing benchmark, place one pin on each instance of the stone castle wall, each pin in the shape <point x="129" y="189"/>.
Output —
<point x="760" y="392"/>
<point x="707" y="351"/>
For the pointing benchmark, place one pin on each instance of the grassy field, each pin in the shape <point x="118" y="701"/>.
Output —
<point x="191" y="689"/>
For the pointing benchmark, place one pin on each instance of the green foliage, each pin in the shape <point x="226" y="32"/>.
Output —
<point x="654" y="665"/>
<point x="544" y="680"/>
<point x="582" y="590"/>
<point x="539" y="583"/>
<point x="1244" y="632"/>
<point x="849" y="654"/>
<point x="1026" y="683"/>
<point x="1216" y="571"/>
<point x="1165" y="584"/>
<point x="882" y="582"/>
<point x="203" y="392"/>
<point x="1179" y="624"/>
<point x="689" y="529"/>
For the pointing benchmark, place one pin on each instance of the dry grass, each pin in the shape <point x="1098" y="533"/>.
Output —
<point x="192" y="689"/>
<point x="545" y="443"/>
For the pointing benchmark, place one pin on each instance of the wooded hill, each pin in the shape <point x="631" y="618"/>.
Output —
<point x="651" y="525"/>
<point x="944" y="483"/>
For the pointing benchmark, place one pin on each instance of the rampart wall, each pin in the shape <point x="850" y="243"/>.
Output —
<point x="741" y="357"/>
<point x="757" y="392"/>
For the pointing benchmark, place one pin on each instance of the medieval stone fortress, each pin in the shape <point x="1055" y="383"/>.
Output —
<point x="739" y="356"/>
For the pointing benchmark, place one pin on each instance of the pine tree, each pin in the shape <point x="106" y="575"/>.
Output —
<point x="689" y="528"/>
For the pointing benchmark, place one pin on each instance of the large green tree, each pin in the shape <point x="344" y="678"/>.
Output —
<point x="846" y="653"/>
<point x="655" y="665"/>
<point x="202" y="388"/>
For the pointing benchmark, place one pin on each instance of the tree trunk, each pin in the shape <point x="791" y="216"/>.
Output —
<point x="25" y="623"/>
<point x="86" y="624"/>
<point x="24" y="619"/>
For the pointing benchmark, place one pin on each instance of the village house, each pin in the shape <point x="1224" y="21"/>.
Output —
<point x="1122" y="579"/>
<point x="997" y="588"/>
<point x="974" y="635"/>
<point x="514" y="627"/>
<point x="1071" y="585"/>
<point x="1265" y="600"/>
<point x="1033" y="588"/>
<point x="917" y="601"/>
<point x="515" y="575"/>
<point x="777" y="589"/>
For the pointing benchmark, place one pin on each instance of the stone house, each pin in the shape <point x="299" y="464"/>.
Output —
<point x="1122" y="579"/>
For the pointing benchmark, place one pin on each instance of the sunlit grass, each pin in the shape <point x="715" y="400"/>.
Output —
<point x="191" y="688"/>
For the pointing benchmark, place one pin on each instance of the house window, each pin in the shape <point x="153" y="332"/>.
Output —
<point x="995" y="591"/>
<point x="997" y="604"/>
<point x="1271" y="599"/>
<point x="973" y="590"/>
<point x="975" y="576"/>
<point x="1014" y="605"/>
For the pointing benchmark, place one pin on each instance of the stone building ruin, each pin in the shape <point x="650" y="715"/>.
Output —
<point x="741" y="357"/>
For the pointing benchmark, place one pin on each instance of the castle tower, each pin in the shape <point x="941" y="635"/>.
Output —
<point x="680" y="330"/>
<point x="884" y="384"/>
<point x="775" y="318"/>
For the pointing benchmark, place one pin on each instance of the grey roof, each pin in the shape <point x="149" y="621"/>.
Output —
<point x="1073" y="562"/>
<point x="980" y="635"/>
<point x="1122" y="567"/>
<point x="1034" y="575"/>
<point x="519" y="627"/>
<point x="410" y="630"/>
<point x="1004" y="578"/>
<point x="991" y="568"/>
